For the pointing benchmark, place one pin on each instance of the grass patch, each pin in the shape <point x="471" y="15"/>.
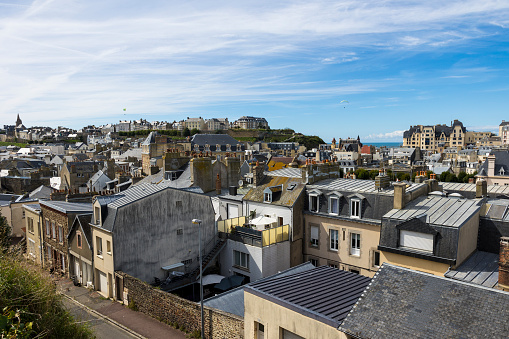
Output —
<point x="9" y="143"/>
<point x="31" y="293"/>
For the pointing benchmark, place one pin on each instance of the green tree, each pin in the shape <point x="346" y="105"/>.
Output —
<point x="195" y="131"/>
<point x="186" y="132"/>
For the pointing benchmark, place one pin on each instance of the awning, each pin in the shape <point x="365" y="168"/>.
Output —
<point x="172" y="267"/>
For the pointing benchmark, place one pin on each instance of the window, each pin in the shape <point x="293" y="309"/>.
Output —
<point x="48" y="250"/>
<point x="280" y="221"/>
<point x="334" y="205"/>
<point x="108" y="247"/>
<point x="31" y="247"/>
<point x="355" y="248"/>
<point x="79" y="239"/>
<point x="334" y="240"/>
<point x="314" y="235"/>
<point x="267" y="197"/>
<point x="333" y="265"/>
<point x="97" y="215"/>
<point x="355" y="271"/>
<point x="30" y="225"/>
<point x="355" y="208"/>
<point x="376" y="259"/>
<point x="99" y="245"/>
<point x="180" y="231"/>
<point x="416" y="240"/>
<point x="313" y="203"/>
<point x="260" y="329"/>
<point x="178" y="203"/>
<point x="47" y="228"/>
<point x="241" y="259"/>
<point x="53" y="230"/>
<point x="60" y="234"/>
<point x="314" y="262"/>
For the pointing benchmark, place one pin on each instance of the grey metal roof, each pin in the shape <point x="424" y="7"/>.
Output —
<point x="402" y="303"/>
<point x="480" y="269"/>
<point x="233" y="301"/>
<point x="443" y="211"/>
<point x="324" y="293"/>
<point x="213" y="139"/>
<point x="288" y="172"/>
<point x="459" y="187"/>
<point x="33" y="207"/>
<point x="357" y="185"/>
<point x="67" y="207"/>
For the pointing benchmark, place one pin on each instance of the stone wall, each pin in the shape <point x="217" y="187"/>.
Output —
<point x="172" y="309"/>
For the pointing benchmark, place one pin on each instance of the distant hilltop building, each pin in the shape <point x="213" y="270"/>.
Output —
<point x="433" y="138"/>
<point x="251" y="123"/>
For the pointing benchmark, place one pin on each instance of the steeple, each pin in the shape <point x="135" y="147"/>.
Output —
<point x="18" y="121"/>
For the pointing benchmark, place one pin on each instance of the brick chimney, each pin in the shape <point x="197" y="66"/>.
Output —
<point x="503" y="264"/>
<point x="481" y="188"/>
<point x="258" y="175"/>
<point x="399" y="195"/>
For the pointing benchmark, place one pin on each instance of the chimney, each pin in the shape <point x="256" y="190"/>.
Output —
<point x="399" y="195"/>
<point x="201" y="174"/>
<point x="233" y="171"/>
<point x="258" y="175"/>
<point x="382" y="181"/>
<point x="481" y="188"/>
<point x="218" y="184"/>
<point x="491" y="165"/>
<point x="433" y="185"/>
<point x="503" y="264"/>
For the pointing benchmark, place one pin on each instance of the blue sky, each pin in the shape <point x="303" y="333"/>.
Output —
<point x="398" y="63"/>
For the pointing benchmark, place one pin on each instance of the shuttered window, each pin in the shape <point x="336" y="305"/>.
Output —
<point x="314" y="235"/>
<point x="416" y="240"/>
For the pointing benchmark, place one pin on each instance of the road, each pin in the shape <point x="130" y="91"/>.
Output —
<point x="103" y="329"/>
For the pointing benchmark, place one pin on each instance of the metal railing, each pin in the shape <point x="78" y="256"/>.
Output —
<point x="234" y="229"/>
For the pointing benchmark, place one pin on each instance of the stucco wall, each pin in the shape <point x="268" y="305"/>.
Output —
<point x="145" y="232"/>
<point x="370" y="236"/>
<point x="275" y="317"/>
<point x="417" y="264"/>
<point x="467" y="242"/>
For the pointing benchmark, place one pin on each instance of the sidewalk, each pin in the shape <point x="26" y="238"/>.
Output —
<point x="138" y="324"/>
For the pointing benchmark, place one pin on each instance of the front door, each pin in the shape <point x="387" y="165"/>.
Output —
<point x="77" y="271"/>
<point x="103" y="283"/>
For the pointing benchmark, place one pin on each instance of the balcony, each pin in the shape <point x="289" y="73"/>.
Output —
<point x="238" y="229"/>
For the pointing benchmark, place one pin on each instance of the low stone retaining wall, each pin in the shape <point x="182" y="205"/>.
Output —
<point x="173" y="309"/>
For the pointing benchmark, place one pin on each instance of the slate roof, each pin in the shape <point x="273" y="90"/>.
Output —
<point x="402" y="303"/>
<point x="67" y="207"/>
<point x="288" y="172"/>
<point x="84" y="221"/>
<point x="213" y="139"/>
<point x="33" y="207"/>
<point x="480" y="269"/>
<point x="441" y="211"/>
<point x="323" y="293"/>
<point x="150" y="139"/>
<point x="233" y="301"/>
<point x="286" y="198"/>
<point x="501" y="161"/>
<point x="41" y="192"/>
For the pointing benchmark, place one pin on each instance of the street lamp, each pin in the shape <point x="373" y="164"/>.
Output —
<point x="198" y="222"/>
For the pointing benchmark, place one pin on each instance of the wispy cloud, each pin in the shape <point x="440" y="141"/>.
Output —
<point x="92" y="58"/>
<point x="395" y="135"/>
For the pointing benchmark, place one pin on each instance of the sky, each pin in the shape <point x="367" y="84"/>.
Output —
<point x="396" y="63"/>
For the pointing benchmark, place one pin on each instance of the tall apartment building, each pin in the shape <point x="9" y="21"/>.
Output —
<point x="432" y="138"/>
<point x="503" y="132"/>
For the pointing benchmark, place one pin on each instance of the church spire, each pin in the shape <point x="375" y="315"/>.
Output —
<point x="18" y="121"/>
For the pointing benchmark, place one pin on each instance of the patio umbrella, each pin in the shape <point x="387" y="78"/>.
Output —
<point x="229" y="283"/>
<point x="211" y="279"/>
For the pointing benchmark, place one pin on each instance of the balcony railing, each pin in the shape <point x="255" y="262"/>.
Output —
<point x="234" y="229"/>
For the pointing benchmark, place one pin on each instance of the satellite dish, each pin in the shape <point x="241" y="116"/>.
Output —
<point x="241" y="183"/>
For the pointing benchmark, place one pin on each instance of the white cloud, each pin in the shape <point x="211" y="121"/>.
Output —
<point x="395" y="135"/>
<point x="87" y="59"/>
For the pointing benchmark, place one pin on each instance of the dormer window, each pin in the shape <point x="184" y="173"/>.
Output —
<point x="502" y="171"/>
<point x="334" y="202"/>
<point x="267" y="197"/>
<point x="207" y="147"/>
<point x="97" y="215"/>
<point x="355" y="208"/>
<point x="228" y="148"/>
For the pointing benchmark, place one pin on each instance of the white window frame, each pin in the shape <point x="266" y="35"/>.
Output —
<point x="267" y="197"/>
<point x="99" y="246"/>
<point x="334" y="239"/>
<point x="331" y="199"/>
<point x="355" y="208"/>
<point x="317" y="207"/>
<point x="60" y="234"/>
<point x="413" y="238"/>
<point x="314" y="241"/>
<point x="374" y="261"/>
<point x="313" y="262"/>
<point x="355" y="244"/>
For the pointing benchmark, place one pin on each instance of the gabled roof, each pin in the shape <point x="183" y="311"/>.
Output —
<point x="150" y="139"/>
<point x="501" y="161"/>
<point x="213" y="139"/>
<point x="83" y="221"/>
<point x="324" y="293"/>
<point x="402" y="303"/>
<point x="286" y="198"/>
<point x="357" y="186"/>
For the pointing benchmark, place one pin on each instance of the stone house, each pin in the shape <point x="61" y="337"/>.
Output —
<point x="58" y="217"/>
<point x="76" y="175"/>
<point x="34" y="233"/>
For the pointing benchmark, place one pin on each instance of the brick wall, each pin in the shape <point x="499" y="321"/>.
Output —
<point x="172" y="309"/>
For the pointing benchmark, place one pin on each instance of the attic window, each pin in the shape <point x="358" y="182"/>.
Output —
<point x="313" y="203"/>
<point x="267" y="197"/>
<point x="502" y="171"/>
